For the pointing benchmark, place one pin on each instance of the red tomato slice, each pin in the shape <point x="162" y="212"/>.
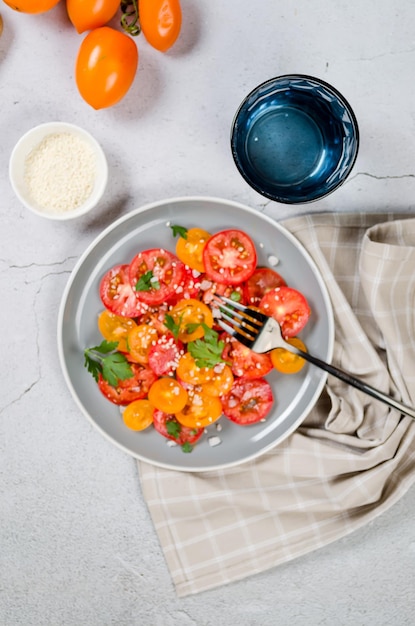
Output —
<point x="234" y="292"/>
<point x="248" y="402"/>
<point x="164" y="355"/>
<point x="229" y="257"/>
<point x="244" y="362"/>
<point x="190" y="286"/>
<point x="117" y="295"/>
<point x="289" y="307"/>
<point x="262" y="280"/>
<point x="155" y="275"/>
<point x="168" y="426"/>
<point x="130" y="389"/>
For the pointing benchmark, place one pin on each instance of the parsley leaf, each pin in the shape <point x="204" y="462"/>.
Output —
<point x="104" y="359"/>
<point x="173" y="428"/>
<point x="207" y="352"/>
<point x="187" y="447"/>
<point x="171" y="325"/>
<point x="179" y="230"/>
<point x="146" y="282"/>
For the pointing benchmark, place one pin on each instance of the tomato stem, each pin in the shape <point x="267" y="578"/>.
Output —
<point x="130" y="19"/>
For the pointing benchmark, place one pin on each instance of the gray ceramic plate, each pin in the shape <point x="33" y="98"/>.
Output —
<point x="147" y="227"/>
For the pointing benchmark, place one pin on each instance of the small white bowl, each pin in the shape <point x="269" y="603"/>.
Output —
<point x="24" y="156"/>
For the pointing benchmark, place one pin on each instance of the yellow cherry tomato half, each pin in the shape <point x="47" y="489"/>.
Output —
<point x="201" y="410"/>
<point x="138" y="415"/>
<point x="160" y="21"/>
<point x="115" y="328"/>
<point x="31" y="6"/>
<point x="167" y="395"/>
<point x="221" y="381"/>
<point x="189" y="249"/>
<point x="287" y="362"/>
<point x="105" y="66"/>
<point x="190" y="373"/>
<point x="89" y="14"/>
<point x="188" y="312"/>
<point x="139" y="341"/>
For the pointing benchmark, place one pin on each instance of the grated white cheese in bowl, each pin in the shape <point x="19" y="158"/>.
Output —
<point x="58" y="171"/>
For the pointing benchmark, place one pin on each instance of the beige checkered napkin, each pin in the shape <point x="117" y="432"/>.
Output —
<point x="350" y="460"/>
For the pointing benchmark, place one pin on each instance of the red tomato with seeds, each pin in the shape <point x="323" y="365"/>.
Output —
<point x="248" y="401"/>
<point x="262" y="280"/>
<point x="229" y="257"/>
<point x="130" y="389"/>
<point x="117" y="295"/>
<point x="164" y="355"/>
<point x="245" y="362"/>
<point x="155" y="275"/>
<point x="289" y="307"/>
<point x="168" y="426"/>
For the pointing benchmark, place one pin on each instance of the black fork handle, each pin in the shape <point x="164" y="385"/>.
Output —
<point x="357" y="383"/>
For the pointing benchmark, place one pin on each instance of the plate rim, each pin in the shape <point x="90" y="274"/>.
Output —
<point x="130" y="215"/>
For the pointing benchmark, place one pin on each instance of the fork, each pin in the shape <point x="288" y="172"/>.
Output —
<point x="262" y="333"/>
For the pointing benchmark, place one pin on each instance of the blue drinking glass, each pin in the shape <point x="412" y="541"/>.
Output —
<point x="294" y="139"/>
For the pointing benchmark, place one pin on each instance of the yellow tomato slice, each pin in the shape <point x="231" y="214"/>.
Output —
<point x="200" y="410"/>
<point x="138" y="415"/>
<point x="190" y="249"/>
<point x="139" y="341"/>
<point x="115" y="328"/>
<point x="189" y="372"/>
<point x="167" y="395"/>
<point x="221" y="381"/>
<point x="285" y="361"/>
<point x="188" y="312"/>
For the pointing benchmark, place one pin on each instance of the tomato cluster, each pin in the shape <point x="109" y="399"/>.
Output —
<point x="185" y="371"/>
<point x="107" y="59"/>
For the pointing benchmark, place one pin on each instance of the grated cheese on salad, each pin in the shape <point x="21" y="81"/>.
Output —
<point x="60" y="172"/>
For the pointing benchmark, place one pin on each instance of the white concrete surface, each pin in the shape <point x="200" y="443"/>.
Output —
<point x="77" y="546"/>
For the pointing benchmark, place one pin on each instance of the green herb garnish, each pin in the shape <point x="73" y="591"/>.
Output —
<point x="179" y="230"/>
<point x="187" y="447"/>
<point x="207" y="352"/>
<point x="173" y="428"/>
<point x="235" y="296"/>
<point x="106" y="360"/>
<point x="146" y="282"/>
<point x="171" y="325"/>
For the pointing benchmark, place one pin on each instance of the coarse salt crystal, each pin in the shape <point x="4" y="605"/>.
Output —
<point x="214" y="441"/>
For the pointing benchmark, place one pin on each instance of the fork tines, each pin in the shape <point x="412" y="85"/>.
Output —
<point x="239" y="321"/>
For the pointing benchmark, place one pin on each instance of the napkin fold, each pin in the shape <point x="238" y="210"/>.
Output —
<point x="352" y="457"/>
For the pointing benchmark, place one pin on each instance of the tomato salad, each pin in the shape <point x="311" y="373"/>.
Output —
<point x="164" y="359"/>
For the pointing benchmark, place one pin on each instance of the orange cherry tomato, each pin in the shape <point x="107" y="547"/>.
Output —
<point x="285" y="361"/>
<point x="221" y="381"/>
<point x="167" y="395"/>
<point x="190" y="249"/>
<point x="90" y="14"/>
<point x="160" y="22"/>
<point x="115" y="328"/>
<point x="188" y="312"/>
<point x="105" y="66"/>
<point x="190" y="373"/>
<point x="138" y="415"/>
<point x="31" y="6"/>
<point x="200" y="410"/>
<point x="139" y="341"/>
